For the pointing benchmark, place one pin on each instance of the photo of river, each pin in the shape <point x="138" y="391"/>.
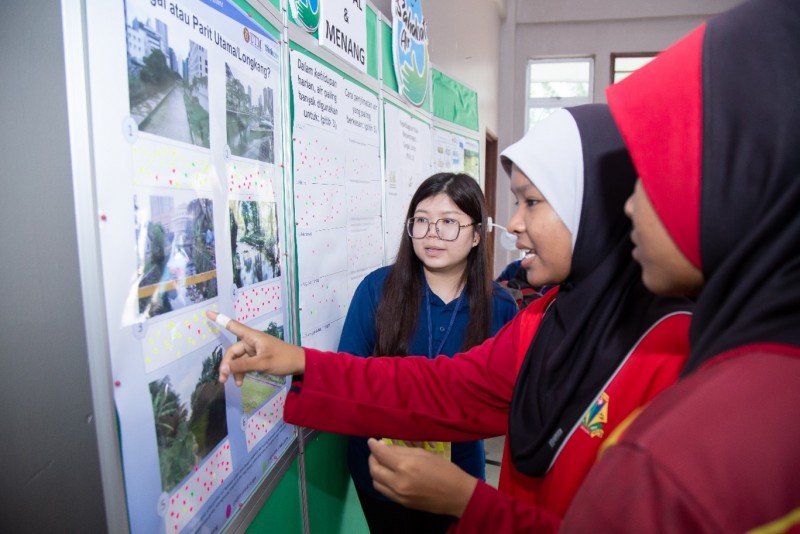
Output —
<point x="176" y="256"/>
<point x="250" y="117"/>
<point x="254" y="241"/>
<point x="167" y="80"/>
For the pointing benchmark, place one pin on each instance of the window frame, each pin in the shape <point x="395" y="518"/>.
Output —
<point x="556" y="102"/>
<point x="625" y="55"/>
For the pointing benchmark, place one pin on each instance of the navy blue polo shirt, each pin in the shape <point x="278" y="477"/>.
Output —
<point x="358" y="338"/>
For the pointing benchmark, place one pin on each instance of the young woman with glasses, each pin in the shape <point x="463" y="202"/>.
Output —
<point x="437" y="298"/>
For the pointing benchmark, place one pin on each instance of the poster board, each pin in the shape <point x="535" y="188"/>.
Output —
<point x="409" y="161"/>
<point x="187" y="122"/>
<point x="337" y="192"/>
<point x="455" y="151"/>
<point x="456" y="126"/>
<point x="238" y="167"/>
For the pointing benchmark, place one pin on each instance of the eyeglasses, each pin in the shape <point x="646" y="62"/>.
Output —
<point x="446" y="229"/>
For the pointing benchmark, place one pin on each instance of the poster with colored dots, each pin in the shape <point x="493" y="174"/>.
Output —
<point x="320" y="206"/>
<point x="323" y="300"/>
<point x="258" y="300"/>
<point x="319" y="155"/>
<point x="249" y="180"/>
<point x="408" y="163"/>
<point x="192" y="156"/>
<point x="163" y="163"/>
<point x="337" y="193"/>
<point x="187" y="129"/>
<point x="361" y="200"/>
<point x="330" y="243"/>
<point x="163" y="342"/>
<point x="362" y="254"/>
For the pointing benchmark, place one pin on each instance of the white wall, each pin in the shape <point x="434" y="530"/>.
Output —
<point x="543" y="11"/>
<point x="465" y="45"/>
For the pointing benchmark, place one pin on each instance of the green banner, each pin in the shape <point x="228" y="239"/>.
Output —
<point x="454" y="102"/>
<point x="372" y="43"/>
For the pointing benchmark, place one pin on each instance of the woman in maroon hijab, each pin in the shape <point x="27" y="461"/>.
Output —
<point x="716" y="213"/>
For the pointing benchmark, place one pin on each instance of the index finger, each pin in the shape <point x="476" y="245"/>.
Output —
<point x="229" y="324"/>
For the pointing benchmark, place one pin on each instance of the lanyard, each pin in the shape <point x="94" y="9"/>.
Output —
<point x="432" y="354"/>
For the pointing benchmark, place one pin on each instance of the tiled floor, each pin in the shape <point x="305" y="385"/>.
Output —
<point x="494" y="453"/>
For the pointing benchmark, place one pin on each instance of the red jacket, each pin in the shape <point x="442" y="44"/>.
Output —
<point x="719" y="452"/>
<point x="468" y="397"/>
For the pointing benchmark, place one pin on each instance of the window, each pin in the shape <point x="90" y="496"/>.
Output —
<point x="622" y="65"/>
<point x="557" y="83"/>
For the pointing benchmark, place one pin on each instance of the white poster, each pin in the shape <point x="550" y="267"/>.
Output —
<point x="337" y="190"/>
<point x="454" y="152"/>
<point x="186" y="124"/>
<point x="343" y="30"/>
<point x="409" y="162"/>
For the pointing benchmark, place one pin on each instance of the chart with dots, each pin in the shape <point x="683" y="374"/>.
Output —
<point x="323" y="299"/>
<point x="252" y="180"/>
<point x="204" y="482"/>
<point x="191" y="218"/>
<point x="337" y="194"/>
<point x="165" y="163"/>
<point x="235" y="172"/>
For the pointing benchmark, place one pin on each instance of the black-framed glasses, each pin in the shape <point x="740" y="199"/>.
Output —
<point x="446" y="229"/>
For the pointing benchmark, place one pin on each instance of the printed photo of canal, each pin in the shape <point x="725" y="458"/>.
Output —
<point x="177" y="265"/>
<point x="167" y="80"/>
<point x="254" y="241"/>
<point x="250" y="116"/>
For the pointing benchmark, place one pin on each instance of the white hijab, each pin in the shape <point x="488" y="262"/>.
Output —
<point x="550" y="155"/>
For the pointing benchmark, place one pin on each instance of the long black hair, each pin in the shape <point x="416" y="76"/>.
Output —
<point x="398" y="312"/>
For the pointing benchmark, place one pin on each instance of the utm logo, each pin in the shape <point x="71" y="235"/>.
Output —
<point x="251" y="38"/>
<point x="596" y="417"/>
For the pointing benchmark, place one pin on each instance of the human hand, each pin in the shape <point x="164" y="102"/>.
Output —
<point x="264" y="352"/>
<point x="419" y="479"/>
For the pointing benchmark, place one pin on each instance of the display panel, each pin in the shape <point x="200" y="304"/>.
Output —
<point x="453" y="152"/>
<point x="187" y="118"/>
<point x="337" y="188"/>
<point x="409" y="158"/>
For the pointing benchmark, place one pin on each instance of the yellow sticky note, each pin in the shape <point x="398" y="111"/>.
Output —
<point x="440" y="448"/>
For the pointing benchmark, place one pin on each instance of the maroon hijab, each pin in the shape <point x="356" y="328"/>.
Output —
<point x="725" y="142"/>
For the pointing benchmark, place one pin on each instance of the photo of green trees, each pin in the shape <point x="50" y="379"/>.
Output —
<point x="257" y="387"/>
<point x="254" y="241"/>
<point x="189" y="414"/>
